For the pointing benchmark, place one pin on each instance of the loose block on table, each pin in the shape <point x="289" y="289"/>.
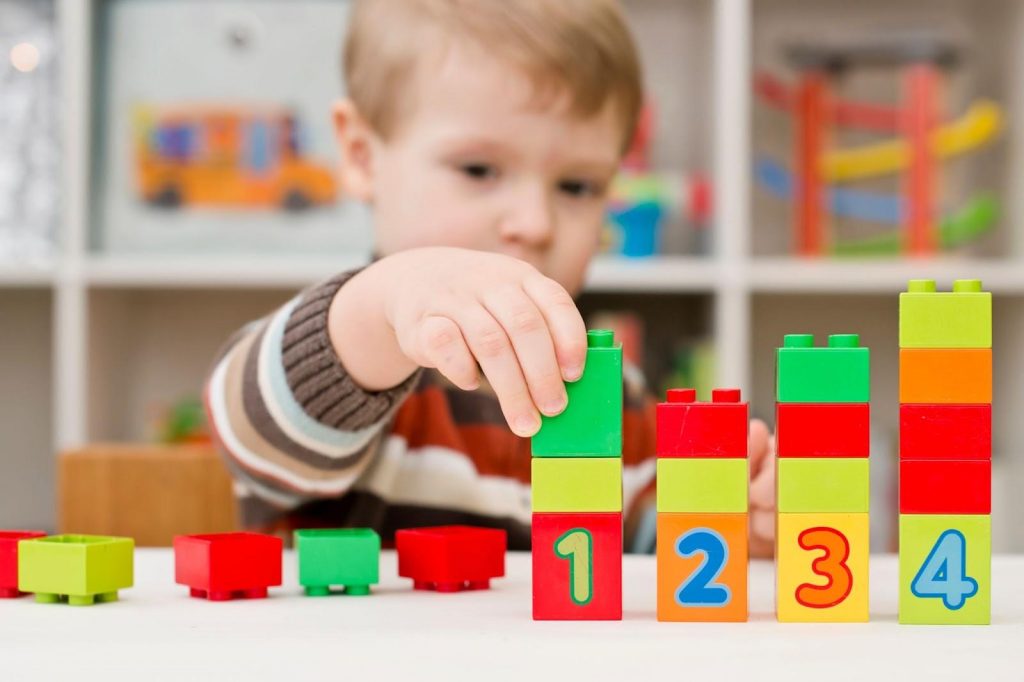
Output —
<point x="702" y="567"/>
<point x="819" y="484"/>
<point x="837" y="373"/>
<point x="945" y="486"/>
<point x="958" y="319"/>
<point x="698" y="485"/>
<point x="687" y="428"/>
<point x="83" y="569"/>
<point x="332" y="557"/>
<point x="576" y="484"/>
<point x="451" y="558"/>
<point x="941" y="375"/>
<point x="946" y="431"/>
<point x="225" y="566"/>
<point x="9" y="540"/>
<point x="823" y="429"/>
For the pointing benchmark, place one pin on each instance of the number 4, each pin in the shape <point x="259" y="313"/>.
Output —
<point x="943" y="572"/>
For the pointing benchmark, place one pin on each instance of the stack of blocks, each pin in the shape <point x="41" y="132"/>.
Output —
<point x="822" y="479"/>
<point x="577" y="495"/>
<point x="945" y="453"/>
<point x="702" y="507"/>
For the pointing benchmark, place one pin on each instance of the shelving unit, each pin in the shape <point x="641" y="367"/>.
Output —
<point x="115" y="333"/>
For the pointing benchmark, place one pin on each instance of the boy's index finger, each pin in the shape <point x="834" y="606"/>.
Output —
<point x="568" y="331"/>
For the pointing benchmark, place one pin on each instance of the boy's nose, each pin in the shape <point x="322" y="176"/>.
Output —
<point x="530" y="220"/>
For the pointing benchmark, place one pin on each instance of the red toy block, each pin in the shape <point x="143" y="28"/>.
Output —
<point x="451" y="558"/>
<point x="687" y="428"/>
<point x="9" y="560"/>
<point x="223" y="566"/>
<point x="945" y="486"/>
<point x="823" y="429"/>
<point x="945" y="431"/>
<point x="577" y="566"/>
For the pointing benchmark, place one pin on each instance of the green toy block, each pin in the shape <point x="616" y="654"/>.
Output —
<point x="577" y="484"/>
<point x="84" y="569"/>
<point x="348" y="557"/>
<point x="702" y="485"/>
<point x="823" y="484"/>
<point x="591" y="425"/>
<point x="945" y="569"/>
<point x="838" y="373"/>
<point x="961" y="318"/>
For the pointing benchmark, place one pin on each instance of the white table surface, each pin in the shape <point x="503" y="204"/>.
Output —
<point x="157" y="632"/>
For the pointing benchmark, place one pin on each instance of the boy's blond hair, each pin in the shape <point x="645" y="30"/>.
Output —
<point x="579" y="47"/>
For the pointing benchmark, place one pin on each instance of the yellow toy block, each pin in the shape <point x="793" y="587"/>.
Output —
<point x="577" y="484"/>
<point x="702" y="485"/>
<point x="822" y="568"/>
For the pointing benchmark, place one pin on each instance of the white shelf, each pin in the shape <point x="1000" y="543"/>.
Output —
<point x="660" y="274"/>
<point x="27" y="276"/>
<point x="791" y="275"/>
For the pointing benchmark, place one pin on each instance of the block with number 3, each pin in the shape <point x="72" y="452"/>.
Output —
<point x="822" y="568"/>
<point x="577" y="566"/>
<point x="702" y="567"/>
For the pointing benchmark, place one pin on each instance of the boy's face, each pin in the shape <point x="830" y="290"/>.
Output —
<point x="478" y="162"/>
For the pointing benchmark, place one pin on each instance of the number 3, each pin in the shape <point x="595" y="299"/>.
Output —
<point x="700" y="589"/>
<point x="831" y="565"/>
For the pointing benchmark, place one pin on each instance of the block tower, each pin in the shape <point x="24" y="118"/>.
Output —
<point x="702" y="507"/>
<point x="945" y="454"/>
<point x="822" y="479"/>
<point x="577" y="495"/>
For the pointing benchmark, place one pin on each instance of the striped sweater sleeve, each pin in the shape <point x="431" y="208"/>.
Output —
<point x="291" y="423"/>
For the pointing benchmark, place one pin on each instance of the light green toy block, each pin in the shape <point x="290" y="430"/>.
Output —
<point x="702" y="485"/>
<point x="348" y="557"/>
<point x="577" y="484"/>
<point x="961" y="318"/>
<point x="84" y="569"/>
<point x="945" y="569"/>
<point x="591" y="424"/>
<point x="837" y="373"/>
<point x="823" y="484"/>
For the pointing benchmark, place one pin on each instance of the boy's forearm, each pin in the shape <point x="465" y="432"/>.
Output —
<point x="363" y="340"/>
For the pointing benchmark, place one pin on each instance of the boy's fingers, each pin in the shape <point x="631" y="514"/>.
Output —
<point x="758" y="445"/>
<point x="762" y="525"/>
<point x="564" y="321"/>
<point x="762" y="489"/>
<point x="442" y="346"/>
<point x="528" y="332"/>
<point x="492" y="349"/>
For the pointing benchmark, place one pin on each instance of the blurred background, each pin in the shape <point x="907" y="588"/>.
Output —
<point x="167" y="174"/>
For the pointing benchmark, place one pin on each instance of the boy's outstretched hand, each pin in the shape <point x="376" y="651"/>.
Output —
<point x="761" y="451"/>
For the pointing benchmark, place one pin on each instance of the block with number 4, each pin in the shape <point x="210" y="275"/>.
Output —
<point x="822" y="568"/>
<point x="702" y="567"/>
<point x="577" y="566"/>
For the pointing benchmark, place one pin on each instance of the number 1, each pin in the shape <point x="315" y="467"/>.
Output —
<point x="577" y="546"/>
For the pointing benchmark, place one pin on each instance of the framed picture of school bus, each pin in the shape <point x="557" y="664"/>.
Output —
<point x="212" y="128"/>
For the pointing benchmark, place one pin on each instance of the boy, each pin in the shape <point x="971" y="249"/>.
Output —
<point x="485" y="135"/>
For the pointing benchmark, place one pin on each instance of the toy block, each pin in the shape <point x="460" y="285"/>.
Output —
<point x="702" y="567"/>
<point x="687" y="428"/>
<point x="591" y="424"/>
<point x="822" y="568"/>
<point x="823" y="429"/>
<point x="451" y="558"/>
<point x="837" y="373"/>
<point x="225" y="566"/>
<point x="577" y="566"/>
<point x="939" y="375"/>
<point x="697" y="485"/>
<point x="945" y="569"/>
<point x="571" y="484"/>
<point x="945" y="431"/>
<point x="9" y="540"/>
<point x="945" y="486"/>
<point x="79" y="569"/>
<point x="348" y="557"/>
<point x="958" y="319"/>
<point x="823" y="484"/>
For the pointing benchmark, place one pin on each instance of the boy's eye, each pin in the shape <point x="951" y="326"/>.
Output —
<point x="479" y="171"/>
<point x="579" y="188"/>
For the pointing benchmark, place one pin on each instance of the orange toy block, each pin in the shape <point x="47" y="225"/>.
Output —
<point x="946" y="375"/>
<point x="822" y="568"/>
<point x="702" y="567"/>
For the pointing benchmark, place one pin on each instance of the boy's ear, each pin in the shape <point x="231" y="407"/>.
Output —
<point x="355" y="143"/>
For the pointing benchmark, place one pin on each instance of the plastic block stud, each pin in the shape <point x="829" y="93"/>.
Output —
<point x="958" y="319"/>
<point x="823" y="429"/>
<point x="451" y="558"/>
<point x="945" y="431"/>
<point x="591" y="424"/>
<point x="9" y="540"/>
<point x="823" y="484"/>
<point x="333" y="557"/>
<point x="225" y="566"/>
<point x="687" y="428"/>
<point x="79" y="569"/>
<point x="838" y="373"/>
<point x="577" y="566"/>
<point x="577" y="484"/>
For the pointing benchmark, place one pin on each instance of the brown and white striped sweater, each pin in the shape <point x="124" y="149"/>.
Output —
<point x="309" y="448"/>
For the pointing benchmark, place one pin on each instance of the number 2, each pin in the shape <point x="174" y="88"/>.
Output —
<point x="831" y="565"/>
<point x="577" y="546"/>
<point x="700" y="589"/>
<point x="943" y="573"/>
